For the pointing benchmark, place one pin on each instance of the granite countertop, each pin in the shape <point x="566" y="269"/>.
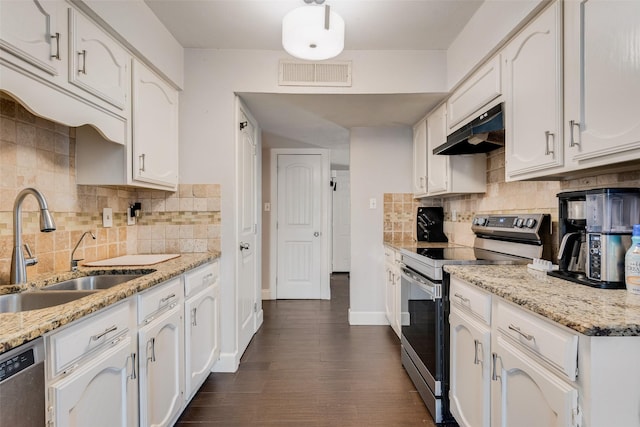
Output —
<point x="18" y="328"/>
<point x="587" y="310"/>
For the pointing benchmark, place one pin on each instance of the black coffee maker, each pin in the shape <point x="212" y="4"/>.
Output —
<point x="572" y="225"/>
<point x="429" y="224"/>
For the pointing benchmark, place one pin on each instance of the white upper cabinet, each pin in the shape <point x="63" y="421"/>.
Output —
<point x="36" y="37"/>
<point x="533" y="97"/>
<point x="602" y="81"/>
<point x="483" y="87"/>
<point x="97" y="63"/>
<point x="155" y="128"/>
<point x="448" y="175"/>
<point x="420" y="159"/>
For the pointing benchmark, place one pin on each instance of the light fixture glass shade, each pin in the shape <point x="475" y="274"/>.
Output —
<point x="304" y="35"/>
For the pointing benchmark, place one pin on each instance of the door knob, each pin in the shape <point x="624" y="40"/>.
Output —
<point x="244" y="246"/>
<point x="316" y="234"/>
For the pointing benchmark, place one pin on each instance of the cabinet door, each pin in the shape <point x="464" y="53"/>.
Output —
<point x="104" y="392"/>
<point x="533" y="96"/>
<point x="420" y="158"/>
<point x="437" y="166"/>
<point x="155" y="128"/>
<point x="202" y="337"/>
<point x="397" y="275"/>
<point x="470" y="363"/>
<point x="29" y="30"/>
<point x="98" y="64"/>
<point x="388" y="286"/>
<point x="602" y="84"/>
<point x="161" y="375"/>
<point x="525" y="394"/>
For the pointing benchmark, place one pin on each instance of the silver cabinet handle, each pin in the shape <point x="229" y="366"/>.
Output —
<point x="572" y="141"/>
<point x="57" y="54"/>
<point x="522" y="334"/>
<point x="167" y="298"/>
<point x="105" y="332"/>
<point x="152" y="341"/>
<point x="83" y="70"/>
<point x="207" y="279"/>
<point x="194" y="319"/>
<point x="494" y="375"/>
<point x="463" y="299"/>
<point x="475" y="352"/>
<point x="141" y="159"/>
<point x="547" y="150"/>
<point x="133" y="366"/>
<point x="244" y="246"/>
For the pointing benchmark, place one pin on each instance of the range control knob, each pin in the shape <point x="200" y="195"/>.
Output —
<point x="481" y="221"/>
<point x="531" y="222"/>
<point x="519" y="222"/>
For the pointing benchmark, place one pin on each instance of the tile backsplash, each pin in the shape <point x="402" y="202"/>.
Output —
<point x="35" y="152"/>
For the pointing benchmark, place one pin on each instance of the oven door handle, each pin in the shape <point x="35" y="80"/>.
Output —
<point x="434" y="290"/>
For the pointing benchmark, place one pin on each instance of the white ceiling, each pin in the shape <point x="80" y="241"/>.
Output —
<point x="322" y="120"/>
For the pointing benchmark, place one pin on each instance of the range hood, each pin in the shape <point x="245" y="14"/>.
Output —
<point x="481" y="135"/>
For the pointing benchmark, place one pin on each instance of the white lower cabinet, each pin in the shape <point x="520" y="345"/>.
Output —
<point x="91" y="370"/>
<point x="161" y="347"/>
<point x="393" y="276"/>
<point x="507" y="366"/>
<point x="202" y="333"/>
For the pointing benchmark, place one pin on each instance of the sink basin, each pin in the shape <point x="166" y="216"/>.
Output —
<point x="25" y="301"/>
<point x="90" y="283"/>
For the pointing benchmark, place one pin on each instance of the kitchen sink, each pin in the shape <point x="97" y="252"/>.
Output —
<point x="91" y="283"/>
<point x="34" y="300"/>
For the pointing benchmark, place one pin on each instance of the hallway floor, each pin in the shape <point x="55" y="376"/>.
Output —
<point x="307" y="367"/>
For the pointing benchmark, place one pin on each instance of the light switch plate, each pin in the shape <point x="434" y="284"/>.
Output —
<point x="107" y="217"/>
<point x="373" y="203"/>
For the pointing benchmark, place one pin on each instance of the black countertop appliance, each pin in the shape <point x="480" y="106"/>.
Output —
<point x="429" y="224"/>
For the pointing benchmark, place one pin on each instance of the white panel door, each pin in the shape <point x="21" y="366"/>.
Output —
<point x="602" y="84"/>
<point x="470" y="390"/>
<point x="341" y="240"/>
<point x="299" y="226"/>
<point x="161" y="369"/>
<point x="524" y="394"/>
<point x="29" y="30"/>
<point x="102" y="393"/>
<point x="247" y="229"/>
<point x="202" y="337"/>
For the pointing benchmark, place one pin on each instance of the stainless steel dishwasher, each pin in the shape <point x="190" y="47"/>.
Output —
<point x="22" y="394"/>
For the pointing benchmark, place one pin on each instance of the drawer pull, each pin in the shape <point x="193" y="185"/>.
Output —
<point x="152" y="342"/>
<point x="207" y="279"/>
<point x="522" y="334"/>
<point x="133" y="366"/>
<point x="463" y="299"/>
<point x="194" y="318"/>
<point x="494" y="362"/>
<point x="476" y="360"/>
<point x="167" y="298"/>
<point x="102" y="334"/>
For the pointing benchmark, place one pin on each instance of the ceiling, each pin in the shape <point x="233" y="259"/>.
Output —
<point x="322" y="120"/>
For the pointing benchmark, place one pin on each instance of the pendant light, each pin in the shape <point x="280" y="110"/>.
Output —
<point x="313" y="32"/>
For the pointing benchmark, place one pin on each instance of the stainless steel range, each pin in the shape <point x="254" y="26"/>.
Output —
<point x="500" y="239"/>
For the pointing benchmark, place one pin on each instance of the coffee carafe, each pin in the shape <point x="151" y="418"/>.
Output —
<point x="595" y="232"/>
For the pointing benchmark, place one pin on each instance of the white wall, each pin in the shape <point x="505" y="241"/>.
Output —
<point x="380" y="163"/>
<point x="488" y="28"/>
<point x="207" y="128"/>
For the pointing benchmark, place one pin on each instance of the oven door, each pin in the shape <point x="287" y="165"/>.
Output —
<point x="422" y="330"/>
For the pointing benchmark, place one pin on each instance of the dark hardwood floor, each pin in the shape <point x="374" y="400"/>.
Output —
<point x="307" y="367"/>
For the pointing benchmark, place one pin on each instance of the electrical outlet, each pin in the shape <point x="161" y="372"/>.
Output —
<point x="267" y="207"/>
<point x="107" y="217"/>
<point x="454" y="215"/>
<point x="373" y="203"/>
<point x="131" y="220"/>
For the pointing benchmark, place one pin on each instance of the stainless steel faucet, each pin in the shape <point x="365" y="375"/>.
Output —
<point x="74" y="262"/>
<point x="18" y="262"/>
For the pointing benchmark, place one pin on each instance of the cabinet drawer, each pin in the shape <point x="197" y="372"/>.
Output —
<point x="78" y="339"/>
<point x="159" y="297"/>
<point x="546" y="340"/>
<point x="471" y="300"/>
<point x="200" y="278"/>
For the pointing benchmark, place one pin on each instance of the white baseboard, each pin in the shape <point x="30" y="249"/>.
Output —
<point x="266" y="294"/>
<point x="228" y="362"/>
<point x="367" y="318"/>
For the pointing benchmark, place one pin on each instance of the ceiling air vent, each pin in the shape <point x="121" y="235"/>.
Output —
<point x="294" y="73"/>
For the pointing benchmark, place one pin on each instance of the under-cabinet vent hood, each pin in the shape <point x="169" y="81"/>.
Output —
<point x="296" y="73"/>
<point x="483" y="134"/>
